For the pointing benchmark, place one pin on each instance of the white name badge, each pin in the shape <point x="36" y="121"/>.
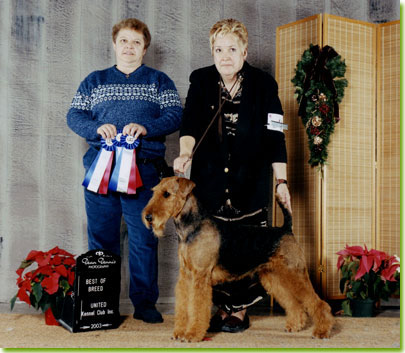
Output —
<point x="275" y="122"/>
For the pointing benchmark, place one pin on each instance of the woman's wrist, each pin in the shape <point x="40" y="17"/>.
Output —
<point x="280" y="181"/>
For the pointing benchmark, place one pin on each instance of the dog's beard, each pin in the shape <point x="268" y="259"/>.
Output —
<point x="157" y="228"/>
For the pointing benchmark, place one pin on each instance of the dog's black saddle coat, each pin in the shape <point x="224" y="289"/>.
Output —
<point x="244" y="247"/>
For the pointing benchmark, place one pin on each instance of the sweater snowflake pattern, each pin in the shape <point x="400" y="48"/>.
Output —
<point x="146" y="96"/>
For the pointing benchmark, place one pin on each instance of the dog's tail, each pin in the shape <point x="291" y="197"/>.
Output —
<point x="287" y="226"/>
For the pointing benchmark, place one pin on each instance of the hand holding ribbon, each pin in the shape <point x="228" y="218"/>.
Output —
<point x="125" y="176"/>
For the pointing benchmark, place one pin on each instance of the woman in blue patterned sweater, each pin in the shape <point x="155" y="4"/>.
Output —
<point x="142" y="102"/>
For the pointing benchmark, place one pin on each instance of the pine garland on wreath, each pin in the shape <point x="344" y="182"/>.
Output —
<point x="318" y="93"/>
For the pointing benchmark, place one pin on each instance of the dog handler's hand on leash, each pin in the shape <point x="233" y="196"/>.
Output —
<point x="181" y="164"/>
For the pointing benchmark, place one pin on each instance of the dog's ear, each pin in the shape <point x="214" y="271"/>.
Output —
<point x="185" y="188"/>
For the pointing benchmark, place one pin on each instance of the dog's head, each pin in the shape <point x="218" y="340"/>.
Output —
<point x="168" y="199"/>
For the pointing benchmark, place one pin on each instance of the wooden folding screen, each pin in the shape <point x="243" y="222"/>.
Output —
<point x="341" y="207"/>
<point x="303" y="182"/>
<point x="388" y="196"/>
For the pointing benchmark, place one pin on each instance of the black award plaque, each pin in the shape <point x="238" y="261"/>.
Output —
<point x="94" y="303"/>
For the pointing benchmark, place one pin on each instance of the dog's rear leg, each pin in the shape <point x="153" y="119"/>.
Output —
<point x="182" y="304"/>
<point x="296" y="283"/>
<point x="199" y="307"/>
<point x="318" y="309"/>
<point x="296" y="316"/>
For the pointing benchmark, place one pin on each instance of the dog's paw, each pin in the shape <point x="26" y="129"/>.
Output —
<point x="178" y="335"/>
<point x="296" y="325"/>
<point x="194" y="337"/>
<point x="321" y="333"/>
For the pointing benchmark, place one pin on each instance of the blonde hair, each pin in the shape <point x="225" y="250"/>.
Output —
<point x="223" y="27"/>
<point x="134" y="24"/>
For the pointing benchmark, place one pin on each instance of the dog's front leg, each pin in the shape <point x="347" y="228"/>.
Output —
<point x="181" y="316"/>
<point x="200" y="307"/>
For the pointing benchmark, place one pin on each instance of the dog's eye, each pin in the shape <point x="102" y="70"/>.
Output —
<point x="166" y="194"/>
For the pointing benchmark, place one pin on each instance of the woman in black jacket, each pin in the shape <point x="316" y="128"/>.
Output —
<point x="231" y="165"/>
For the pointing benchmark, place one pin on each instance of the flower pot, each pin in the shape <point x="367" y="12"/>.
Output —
<point x="50" y="318"/>
<point x="363" y="307"/>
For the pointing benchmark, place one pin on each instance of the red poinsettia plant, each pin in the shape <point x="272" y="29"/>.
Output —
<point x="366" y="274"/>
<point x="49" y="282"/>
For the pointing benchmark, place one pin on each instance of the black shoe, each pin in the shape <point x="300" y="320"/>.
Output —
<point x="216" y="323"/>
<point x="233" y="324"/>
<point x="148" y="314"/>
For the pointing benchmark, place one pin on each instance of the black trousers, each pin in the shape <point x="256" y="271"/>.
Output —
<point x="238" y="295"/>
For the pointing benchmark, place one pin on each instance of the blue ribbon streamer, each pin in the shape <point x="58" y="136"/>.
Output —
<point x="115" y="174"/>
<point x="90" y="172"/>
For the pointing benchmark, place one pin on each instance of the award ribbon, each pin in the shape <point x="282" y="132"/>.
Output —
<point x="125" y="177"/>
<point x="98" y="175"/>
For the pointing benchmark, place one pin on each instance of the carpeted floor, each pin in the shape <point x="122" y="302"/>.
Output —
<point x="30" y="331"/>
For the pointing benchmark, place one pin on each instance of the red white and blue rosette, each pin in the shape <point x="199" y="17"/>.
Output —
<point x="125" y="177"/>
<point x="98" y="175"/>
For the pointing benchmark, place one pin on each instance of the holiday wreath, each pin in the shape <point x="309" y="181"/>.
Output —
<point x="318" y="92"/>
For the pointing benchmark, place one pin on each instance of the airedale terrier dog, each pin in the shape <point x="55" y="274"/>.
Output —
<point x="210" y="254"/>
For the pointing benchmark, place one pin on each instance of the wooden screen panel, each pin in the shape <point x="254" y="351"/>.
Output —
<point x="348" y="190"/>
<point x="388" y="236"/>
<point x="292" y="40"/>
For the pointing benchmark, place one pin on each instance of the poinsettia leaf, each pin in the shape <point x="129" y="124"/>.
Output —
<point x="33" y="254"/>
<point x="376" y="287"/>
<point x="12" y="302"/>
<point x="340" y="262"/>
<point x="342" y="285"/>
<point x="65" y="286"/>
<point x="34" y="301"/>
<point x="45" y="306"/>
<point x="389" y="273"/>
<point x="353" y="266"/>
<point x="363" y="268"/>
<point x="343" y="252"/>
<point x="385" y="292"/>
<point x="355" y="250"/>
<point x="26" y="285"/>
<point x="37" y="291"/>
<point x="69" y="261"/>
<point x="356" y="285"/>
<point x="346" y="308"/>
<point x="42" y="261"/>
<point x="51" y="284"/>
<point x="61" y="270"/>
<point x="24" y="264"/>
<point x="57" y="251"/>
<point x="56" y="260"/>
<point x="45" y="270"/>
<point x="22" y="295"/>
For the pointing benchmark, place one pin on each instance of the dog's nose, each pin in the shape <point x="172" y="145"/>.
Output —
<point x="148" y="217"/>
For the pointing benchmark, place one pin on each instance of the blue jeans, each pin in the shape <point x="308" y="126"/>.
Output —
<point x="104" y="214"/>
